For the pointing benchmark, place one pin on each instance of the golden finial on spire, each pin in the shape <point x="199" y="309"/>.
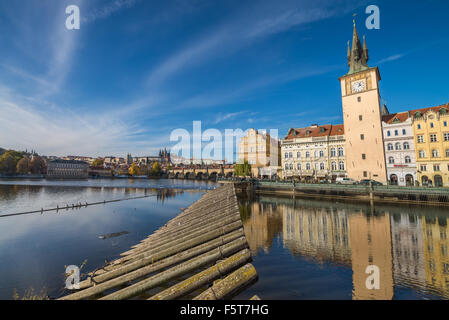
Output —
<point x="353" y="18"/>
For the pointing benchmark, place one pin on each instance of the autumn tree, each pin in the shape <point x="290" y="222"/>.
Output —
<point x="134" y="170"/>
<point x="23" y="166"/>
<point x="99" y="162"/>
<point x="9" y="160"/>
<point x="38" y="165"/>
<point x="156" y="168"/>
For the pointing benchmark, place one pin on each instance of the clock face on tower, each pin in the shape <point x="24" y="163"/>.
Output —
<point x="358" y="86"/>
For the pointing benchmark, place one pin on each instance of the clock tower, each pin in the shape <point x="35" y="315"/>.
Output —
<point x="365" y="153"/>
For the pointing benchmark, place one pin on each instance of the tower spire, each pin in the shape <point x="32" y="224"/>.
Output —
<point x="358" y="57"/>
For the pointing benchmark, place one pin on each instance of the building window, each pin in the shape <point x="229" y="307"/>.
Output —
<point x="333" y="152"/>
<point x="298" y="166"/>
<point x="419" y="126"/>
<point x="359" y="99"/>
<point x="286" y="166"/>
<point x="431" y="125"/>
<point x="307" y="154"/>
<point x="433" y="138"/>
<point x="321" y="166"/>
<point x="446" y="136"/>
<point x="334" y="166"/>
<point x="404" y="132"/>
<point x="286" y="155"/>
<point x="391" y="160"/>
<point x="342" y="165"/>
<point x="447" y="152"/>
<point x="422" y="154"/>
<point x="434" y="153"/>
<point x="362" y="137"/>
<point x="406" y="146"/>
<point x="388" y="133"/>
<point x="307" y="166"/>
<point x="408" y="159"/>
<point x="363" y="156"/>
<point x="445" y="123"/>
<point x="291" y="166"/>
<point x="396" y="132"/>
<point x="321" y="153"/>
<point x="298" y="154"/>
<point x="290" y="154"/>
<point x="436" y="167"/>
<point x="390" y="147"/>
<point x="420" y="139"/>
<point x="360" y="118"/>
<point x="423" y="167"/>
<point x="340" y="152"/>
<point x="398" y="146"/>
<point x="365" y="174"/>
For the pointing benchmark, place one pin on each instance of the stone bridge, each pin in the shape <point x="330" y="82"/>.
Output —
<point x="201" y="173"/>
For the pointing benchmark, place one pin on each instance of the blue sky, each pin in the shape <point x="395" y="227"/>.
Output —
<point x="138" y="69"/>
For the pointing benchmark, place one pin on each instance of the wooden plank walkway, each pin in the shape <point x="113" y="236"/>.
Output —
<point x="202" y="254"/>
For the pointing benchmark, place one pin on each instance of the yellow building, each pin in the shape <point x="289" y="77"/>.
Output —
<point x="436" y="253"/>
<point x="431" y="133"/>
<point x="261" y="151"/>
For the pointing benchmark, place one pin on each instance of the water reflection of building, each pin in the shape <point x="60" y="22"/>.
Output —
<point x="261" y="225"/>
<point x="407" y="249"/>
<point x="370" y="242"/>
<point x="320" y="233"/>
<point x="435" y="246"/>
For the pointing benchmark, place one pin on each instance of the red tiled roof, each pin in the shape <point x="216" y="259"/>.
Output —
<point x="315" y="131"/>
<point x="337" y="130"/>
<point x="389" y="118"/>
<point x="424" y="110"/>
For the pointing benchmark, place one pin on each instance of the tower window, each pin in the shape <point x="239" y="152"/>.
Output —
<point x="360" y="118"/>
<point x="363" y="156"/>
<point x="362" y="137"/>
<point x="359" y="99"/>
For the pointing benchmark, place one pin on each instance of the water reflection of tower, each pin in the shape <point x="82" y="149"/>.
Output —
<point x="262" y="225"/>
<point x="407" y="248"/>
<point x="371" y="245"/>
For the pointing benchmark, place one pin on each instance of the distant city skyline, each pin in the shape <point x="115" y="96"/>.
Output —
<point x="136" y="70"/>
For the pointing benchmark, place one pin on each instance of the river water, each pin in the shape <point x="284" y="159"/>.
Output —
<point x="303" y="249"/>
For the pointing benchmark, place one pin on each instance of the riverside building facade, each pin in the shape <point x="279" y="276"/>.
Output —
<point x="399" y="149"/>
<point x="314" y="153"/>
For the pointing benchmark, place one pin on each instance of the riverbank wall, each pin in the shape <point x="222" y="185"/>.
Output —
<point x="352" y="193"/>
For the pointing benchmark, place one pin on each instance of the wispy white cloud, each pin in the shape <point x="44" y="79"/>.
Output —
<point x="227" y="116"/>
<point x="108" y="10"/>
<point x="253" y="23"/>
<point x="391" y="58"/>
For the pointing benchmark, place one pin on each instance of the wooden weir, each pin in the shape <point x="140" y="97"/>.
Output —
<point x="201" y="254"/>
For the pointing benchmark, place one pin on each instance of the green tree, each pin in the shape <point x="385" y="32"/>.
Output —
<point x="38" y="165"/>
<point x="242" y="169"/>
<point x="23" y="166"/>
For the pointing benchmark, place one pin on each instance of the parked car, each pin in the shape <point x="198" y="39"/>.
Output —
<point x="366" y="182"/>
<point x="345" y="181"/>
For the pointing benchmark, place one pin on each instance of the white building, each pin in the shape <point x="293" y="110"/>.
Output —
<point x="399" y="149"/>
<point x="314" y="153"/>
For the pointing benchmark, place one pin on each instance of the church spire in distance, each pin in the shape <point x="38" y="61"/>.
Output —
<point x="357" y="56"/>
